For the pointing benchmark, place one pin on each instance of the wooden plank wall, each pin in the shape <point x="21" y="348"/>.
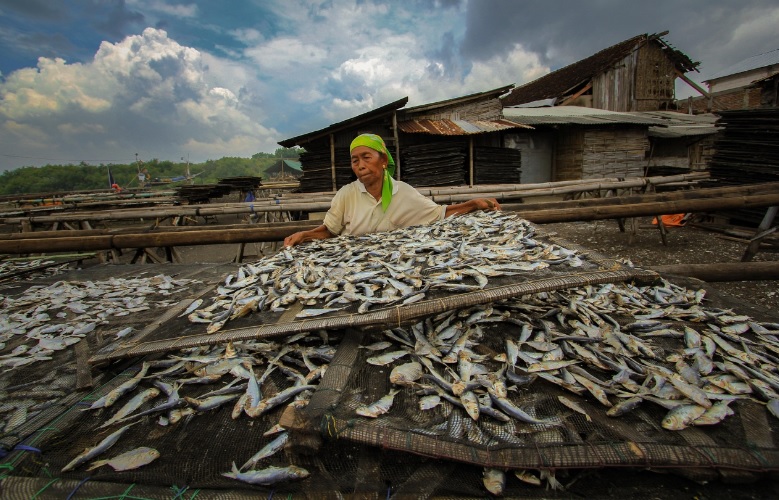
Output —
<point x="487" y="109"/>
<point x="613" y="89"/>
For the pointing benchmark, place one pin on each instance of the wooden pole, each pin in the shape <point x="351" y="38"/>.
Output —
<point x="291" y="225"/>
<point x="724" y="271"/>
<point x="762" y="231"/>
<point x="160" y="239"/>
<point x="650" y="209"/>
<point x="332" y="161"/>
<point x="746" y="190"/>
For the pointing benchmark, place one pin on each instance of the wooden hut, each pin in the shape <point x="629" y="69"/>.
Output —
<point x="637" y="74"/>
<point x="453" y="142"/>
<point x="459" y="141"/>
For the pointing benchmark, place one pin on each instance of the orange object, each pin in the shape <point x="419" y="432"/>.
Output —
<point x="672" y="220"/>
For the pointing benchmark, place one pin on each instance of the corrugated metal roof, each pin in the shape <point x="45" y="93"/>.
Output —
<point x="294" y="164"/>
<point x="575" y="115"/>
<point x="681" y="131"/>
<point x="676" y="118"/>
<point x="769" y="58"/>
<point x="457" y="127"/>
<point x="681" y="124"/>
<point x="494" y="93"/>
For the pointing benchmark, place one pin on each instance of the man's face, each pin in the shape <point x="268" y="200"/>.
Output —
<point x="368" y="165"/>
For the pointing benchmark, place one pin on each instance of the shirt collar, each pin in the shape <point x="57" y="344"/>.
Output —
<point x="362" y="189"/>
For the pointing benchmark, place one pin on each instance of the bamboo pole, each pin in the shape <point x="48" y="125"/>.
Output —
<point x="291" y="225"/>
<point x="749" y="189"/>
<point x="650" y="209"/>
<point x="554" y="191"/>
<point x="490" y="188"/>
<point x="724" y="271"/>
<point x="163" y="239"/>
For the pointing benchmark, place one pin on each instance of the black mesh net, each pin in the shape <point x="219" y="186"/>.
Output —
<point x="315" y="380"/>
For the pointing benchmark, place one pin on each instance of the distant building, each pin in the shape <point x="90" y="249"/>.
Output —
<point x="285" y="168"/>
<point x="748" y="84"/>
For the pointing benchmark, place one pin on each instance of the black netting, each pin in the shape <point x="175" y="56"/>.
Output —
<point x="407" y="451"/>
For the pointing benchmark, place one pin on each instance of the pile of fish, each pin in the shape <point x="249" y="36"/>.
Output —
<point x="31" y="269"/>
<point x="45" y="319"/>
<point x="619" y="346"/>
<point x="455" y="254"/>
<point x="252" y="377"/>
<point x="692" y="360"/>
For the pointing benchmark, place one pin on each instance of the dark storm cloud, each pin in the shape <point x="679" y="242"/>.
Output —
<point x="562" y="32"/>
<point x="38" y="10"/>
<point x="447" y="56"/>
<point x="37" y="44"/>
<point x="112" y="18"/>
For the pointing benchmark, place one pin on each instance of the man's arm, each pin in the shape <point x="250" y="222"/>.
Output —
<point x="472" y="206"/>
<point x="319" y="233"/>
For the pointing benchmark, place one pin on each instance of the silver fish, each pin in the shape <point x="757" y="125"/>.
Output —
<point x="406" y="374"/>
<point x="102" y="446"/>
<point x="386" y="358"/>
<point x="129" y="460"/>
<point x="494" y="480"/>
<point x="379" y="407"/>
<point x="268" y="476"/>
<point x="136" y="402"/>
<point x="267" y="450"/>
<point x="681" y="417"/>
<point x="574" y="406"/>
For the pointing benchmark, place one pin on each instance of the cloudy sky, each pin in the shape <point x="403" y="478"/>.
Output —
<point x="101" y="80"/>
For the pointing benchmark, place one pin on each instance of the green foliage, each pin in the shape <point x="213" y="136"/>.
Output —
<point x="59" y="178"/>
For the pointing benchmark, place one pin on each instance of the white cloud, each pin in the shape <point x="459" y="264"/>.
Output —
<point x="287" y="55"/>
<point x="146" y="92"/>
<point x="517" y="67"/>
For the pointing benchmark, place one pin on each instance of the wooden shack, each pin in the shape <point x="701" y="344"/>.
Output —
<point x="458" y="141"/>
<point x="637" y="74"/>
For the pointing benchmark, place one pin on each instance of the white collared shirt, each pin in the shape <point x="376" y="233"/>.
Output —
<point x="354" y="211"/>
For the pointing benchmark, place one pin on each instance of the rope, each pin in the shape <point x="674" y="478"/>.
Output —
<point x="70" y="495"/>
<point x="44" y="487"/>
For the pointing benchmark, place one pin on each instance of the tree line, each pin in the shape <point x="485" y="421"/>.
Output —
<point x="85" y="177"/>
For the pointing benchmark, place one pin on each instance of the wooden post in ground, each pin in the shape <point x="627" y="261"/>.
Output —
<point x="762" y="231"/>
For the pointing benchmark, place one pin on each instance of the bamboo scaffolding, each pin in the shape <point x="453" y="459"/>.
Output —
<point x="318" y="203"/>
<point x="640" y="205"/>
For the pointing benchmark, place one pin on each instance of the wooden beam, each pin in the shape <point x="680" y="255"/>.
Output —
<point x="577" y="95"/>
<point x="724" y="271"/>
<point x="692" y="84"/>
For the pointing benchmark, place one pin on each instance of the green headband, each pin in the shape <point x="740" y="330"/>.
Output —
<point x="376" y="143"/>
